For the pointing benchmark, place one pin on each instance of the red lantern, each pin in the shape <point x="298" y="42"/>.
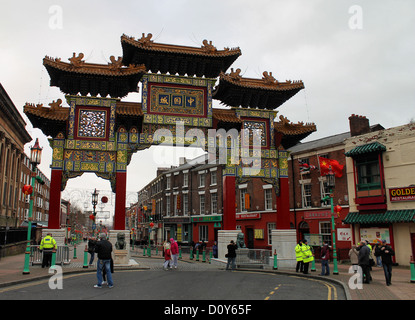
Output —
<point x="151" y="224"/>
<point x="92" y="217"/>
<point x="27" y="189"/>
<point x="104" y="199"/>
<point x="337" y="209"/>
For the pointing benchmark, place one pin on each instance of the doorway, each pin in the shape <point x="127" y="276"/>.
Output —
<point x="250" y="238"/>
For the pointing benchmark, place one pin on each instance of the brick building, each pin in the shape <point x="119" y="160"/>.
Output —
<point x="309" y="215"/>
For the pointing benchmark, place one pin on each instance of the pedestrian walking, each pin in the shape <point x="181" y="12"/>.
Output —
<point x="174" y="247"/>
<point x="386" y="252"/>
<point x="47" y="245"/>
<point x="231" y="255"/>
<point x="91" y="249"/>
<point x="299" y="257"/>
<point x="378" y="258"/>
<point x="363" y="261"/>
<point x="325" y="257"/>
<point x="167" y="256"/>
<point x="354" y="258"/>
<point x="103" y="249"/>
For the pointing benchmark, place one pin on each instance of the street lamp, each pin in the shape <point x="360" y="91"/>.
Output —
<point x="331" y="183"/>
<point x="94" y="204"/>
<point x="35" y="157"/>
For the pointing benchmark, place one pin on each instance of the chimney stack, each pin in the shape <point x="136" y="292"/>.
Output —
<point x="358" y="125"/>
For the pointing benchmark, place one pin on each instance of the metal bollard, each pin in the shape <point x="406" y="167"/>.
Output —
<point x="149" y="251"/>
<point x="191" y="254"/>
<point x="204" y="256"/>
<point x="53" y="258"/>
<point x="210" y="256"/>
<point x="85" y="257"/>
<point x="313" y="265"/>
<point x="275" y="260"/>
<point x="412" y="262"/>
<point x="180" y="253"/>
<point x="197" y="254"/>
<point x="74" y="252"/>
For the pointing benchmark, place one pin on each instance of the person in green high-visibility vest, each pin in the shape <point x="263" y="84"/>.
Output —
<point x="299" y="256"/>
<point x="307" y="255"/>
<point x="47" y="245"/>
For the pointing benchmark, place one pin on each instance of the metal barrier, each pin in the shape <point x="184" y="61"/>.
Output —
<point x="257" y="258"/>
<point x="62" y="255"/>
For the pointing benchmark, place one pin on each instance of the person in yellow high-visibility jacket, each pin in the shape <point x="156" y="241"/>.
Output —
<point x="299" y="256"/>
<point x="307" y="256"/>
<point x="47" y="245"/>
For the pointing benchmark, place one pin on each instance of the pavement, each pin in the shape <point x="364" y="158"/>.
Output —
<point x="11" y="273"/>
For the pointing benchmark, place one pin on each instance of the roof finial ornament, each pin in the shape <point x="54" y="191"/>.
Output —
<point x="268" y="78"/>
<point x="208" y="46"/>
<point x="235" y="75"/>
<point x="77" y="61"/>
<point x="115" y="64"/>
<point x="55" y="105"/>
<point x="284" y="120"/>
<point x="146" y="40"/>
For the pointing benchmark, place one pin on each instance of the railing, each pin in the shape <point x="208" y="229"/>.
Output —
<point x="62" y="255"/>
<point x="252" y="257"/>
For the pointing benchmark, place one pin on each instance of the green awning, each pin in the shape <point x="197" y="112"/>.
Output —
<point x="366" y="148"/>
<point x="390" y="216"/>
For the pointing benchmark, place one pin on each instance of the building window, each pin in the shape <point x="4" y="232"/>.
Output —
<point x="185" y="179"/>
<point x="368" y="172"/>
<point x="324" y="191"/>
<point x="167" y="206"/>
<point x="213" y="179"/>
<point x="176" y="204"/>
<point x="202" y="203"/>
<point x="168" y="182"/>
<point x="203" y="233"/>
<point x="242" y="194"/>
<point x="202" y="179"/>
<point x="214" y="202"/>
<point x="271" y="226"/>
<point x="325" y="231"/>
<point x="185" y="205"/>
<point x="268" y="199"/>
<point x="306" y="195"/>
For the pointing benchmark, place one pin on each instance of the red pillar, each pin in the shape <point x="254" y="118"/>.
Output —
<point x="120" y="194"/>
<point x="283" y="205"/>
<point x="229" y="210"/>
<point x="55" y="199"/>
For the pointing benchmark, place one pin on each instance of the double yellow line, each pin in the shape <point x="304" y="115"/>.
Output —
<point x="331" y="289"/>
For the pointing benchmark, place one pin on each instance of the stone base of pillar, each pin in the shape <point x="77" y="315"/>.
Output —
<point x="224" y="238"/>
<point x="57" y="234"/>
<point x="120" y="257"/>
<point x="284" y="242"/>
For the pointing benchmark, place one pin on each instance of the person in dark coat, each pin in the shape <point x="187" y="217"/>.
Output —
<point x="386" y="252"/>
<point x="231" y="255"/>
<point x="103" y="249"/>
<point x="363" y="261"/>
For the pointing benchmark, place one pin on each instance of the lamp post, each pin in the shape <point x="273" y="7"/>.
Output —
<point x="35" y="157"/>
<point x="331" y="183"/>
<point x="94" y="205"/>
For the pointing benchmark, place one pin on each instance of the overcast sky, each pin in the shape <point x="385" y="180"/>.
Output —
<point x="354" y="56"/>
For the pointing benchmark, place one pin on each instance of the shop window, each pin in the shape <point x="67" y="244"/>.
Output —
<point x="325" y="231"/>
<point x="271" y="226"/>
<point x="203" y="233"/>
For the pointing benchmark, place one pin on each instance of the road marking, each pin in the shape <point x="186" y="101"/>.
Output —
<point x="330" y="287"/>
<point x="272" y="292"/>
